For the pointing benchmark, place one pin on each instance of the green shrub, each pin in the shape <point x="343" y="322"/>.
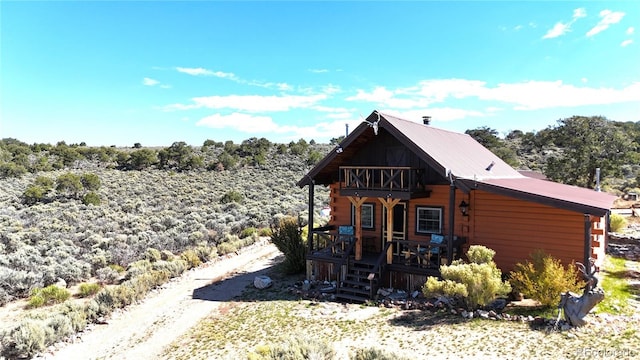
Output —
<point x="88" y="289"/>
<point x="107" y="275"/>
<point x="206" y="253"/>
<point x="617" y="222"/>
<point x="226" y="248"/>
<point x="265" y="232"/>
<point x="480" y="254"/>
<point x="48" y="296"/>
<point x="231" y="196"/>
<point x="26" y="340"/>
<point x="248" y="232"/>
<point x="105" y="301"/>
<point x="191" y="257"/>
<point x="285" y="234"/>
<point x="375" y="354"/>
<point x="296" y="349"/>
<point x="544" y="278"/>
<point x="173" y="268"/>
<point x="91" y="198"/>
<point x="166" y="255"/>
<point x="76" y="314"/>
<point x="152" y="255"/>
<point x="476" y="283"/>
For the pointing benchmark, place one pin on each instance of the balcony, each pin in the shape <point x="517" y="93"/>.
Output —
<point x="395" y="182"/>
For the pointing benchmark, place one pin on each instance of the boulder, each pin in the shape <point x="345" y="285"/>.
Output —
<point x="262" y="282"/>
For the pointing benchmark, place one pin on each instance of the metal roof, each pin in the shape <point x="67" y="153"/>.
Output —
<point x="460" y="156"/>
<point x="549" y="193"/>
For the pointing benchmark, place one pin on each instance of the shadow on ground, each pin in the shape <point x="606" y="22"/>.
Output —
<point x="226" y="287"/>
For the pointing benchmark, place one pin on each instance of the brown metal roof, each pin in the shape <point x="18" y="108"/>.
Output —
<point x="456" y="152"/>
<point x="469" y="163"/>
<point x="550" y="193"/>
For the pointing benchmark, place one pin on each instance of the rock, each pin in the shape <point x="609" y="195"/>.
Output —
<point x="492" y="314"/>
<point x="565" y="327"/>
<point x="61" y="283"/>
<point x="262" y="282"/>
<point x="538" y="320"/>
<point x="497" y="305"/>
<point x="306" y="285"/>
<point x="483" y="314"/>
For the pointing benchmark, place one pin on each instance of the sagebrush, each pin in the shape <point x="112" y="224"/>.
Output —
<point x="544" y="278"/>
<point x="476" y="283"/>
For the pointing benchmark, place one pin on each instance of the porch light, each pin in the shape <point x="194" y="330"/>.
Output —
<point x="464" y="208"/>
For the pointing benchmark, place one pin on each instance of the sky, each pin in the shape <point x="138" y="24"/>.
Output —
<point x="156" y="72"/>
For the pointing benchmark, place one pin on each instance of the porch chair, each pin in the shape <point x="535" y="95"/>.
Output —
<point x="434" y="244"/>
<point x="345" y="236"/>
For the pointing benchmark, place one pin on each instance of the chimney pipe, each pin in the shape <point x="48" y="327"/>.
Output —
<point x="346" y="130"/>
<point x="598" y="179"/>
<point x="426" y="120"/>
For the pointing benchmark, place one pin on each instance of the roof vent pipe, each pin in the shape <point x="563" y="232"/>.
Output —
<point x="598" y="179"/>
<point x="426" y="120"/>
<point x="346" y="133"/>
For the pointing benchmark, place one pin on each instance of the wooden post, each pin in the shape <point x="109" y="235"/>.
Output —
<point x="389" y="204"/>
<point x="357" y="204"/>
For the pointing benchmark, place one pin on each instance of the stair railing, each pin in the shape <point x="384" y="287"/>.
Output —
<point x="378" y="269"/>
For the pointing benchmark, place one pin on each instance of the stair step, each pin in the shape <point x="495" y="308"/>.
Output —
<point x="354" y="291"/>
<point x="356" y="298"/>
<point x="355" y="283"/>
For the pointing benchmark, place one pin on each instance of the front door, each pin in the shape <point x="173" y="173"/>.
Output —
<point x="399" y="224"/>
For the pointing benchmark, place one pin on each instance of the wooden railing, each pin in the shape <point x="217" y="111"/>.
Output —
<point x="378" y="270"/>
<point x="382" y="178"/>
<point x="420" y="254"/>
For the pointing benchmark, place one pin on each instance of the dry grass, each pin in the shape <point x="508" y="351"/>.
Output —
<point x="268" y="317"/>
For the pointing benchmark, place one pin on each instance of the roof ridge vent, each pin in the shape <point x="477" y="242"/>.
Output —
<point x="426" y="119"/>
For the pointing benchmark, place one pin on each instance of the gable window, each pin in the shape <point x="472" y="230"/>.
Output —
<point x="366" y="216"/>
<point x="428" y="220"/>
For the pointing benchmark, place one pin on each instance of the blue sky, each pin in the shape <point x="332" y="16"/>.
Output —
<point x="155" y="72"/>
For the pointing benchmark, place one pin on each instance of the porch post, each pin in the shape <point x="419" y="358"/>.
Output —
<point x="587" y="243"/>
<point x="452" y="215"/>
<point x="310" y="226"/>
<point x="389" y="204"/>
<point x="357" y="204"/>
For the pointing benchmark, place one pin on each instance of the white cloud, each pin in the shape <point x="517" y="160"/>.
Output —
<point x="530" y="95"/>
<point x="194" y="71"/>
<point x="626" y="43"/>
<point x="608" y="18"/>
<point x="579" y="13"/>
<point x="560" y="28"/>
<point x="241" y="122"/>
<point x="150" y="82"/>
<point x="630" y="30"/>
<point x="250" y="103"/>
<point x="318" y="71"/>
<point x="264" y="124"/>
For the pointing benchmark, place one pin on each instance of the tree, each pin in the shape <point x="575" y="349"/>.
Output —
<point x="142" y="159"/>
<point x="69" y="184"/>
<point x="90" y="181"/>
<point x="588" y="143"/>
<point x="489" y="138"/>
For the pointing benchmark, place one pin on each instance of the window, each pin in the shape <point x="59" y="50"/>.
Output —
<point x="366" y="216"/>
<point x="428" y="220"/>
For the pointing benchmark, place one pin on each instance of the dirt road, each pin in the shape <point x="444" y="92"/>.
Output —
<point x="143" y="330"/>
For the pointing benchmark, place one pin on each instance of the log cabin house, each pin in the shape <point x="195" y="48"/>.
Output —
<point x="408" y="197"/>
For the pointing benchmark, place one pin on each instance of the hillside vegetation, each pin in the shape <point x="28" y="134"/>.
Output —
<point x="145" y="202"/>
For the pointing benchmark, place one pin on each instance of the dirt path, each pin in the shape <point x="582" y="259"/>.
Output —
<point x="143" y="330"/>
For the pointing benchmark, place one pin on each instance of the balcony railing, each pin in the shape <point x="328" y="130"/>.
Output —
<point x="381" y="179"/>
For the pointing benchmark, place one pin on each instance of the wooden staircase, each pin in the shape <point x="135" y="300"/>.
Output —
<point x="356" y="286"/>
